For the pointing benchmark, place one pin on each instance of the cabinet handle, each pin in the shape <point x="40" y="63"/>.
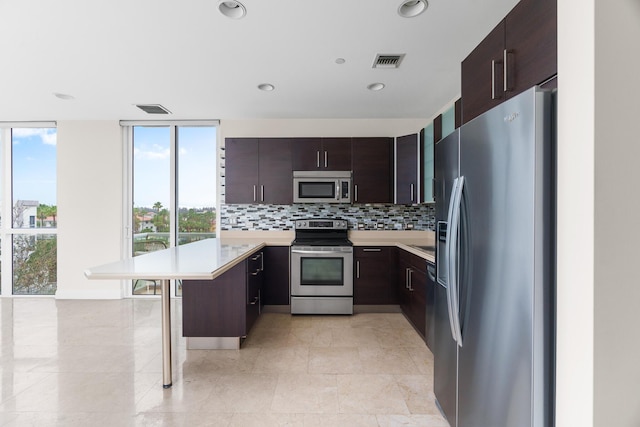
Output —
<point x="317" y="159"/>
<point x="371" y="250"/>
<point x="254" y="193"/>
<point x="257" y="257"/>
<point x="505" y="60"/>
<point x="255" y="301"/>
<point x="411" y="186"/>
<point x="357" y="269"/>
<point x="255" y="273"/>
<point x="261" y="261"/>
<point x="410" y="284"/>
<point x="326" y="160"/>
<point x="262" y="193"/>
<point x="406" y="278"/>
<point x="493" y="79"/>
<point x="355" y="192"/>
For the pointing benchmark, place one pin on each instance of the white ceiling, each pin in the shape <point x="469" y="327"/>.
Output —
<point x="199" y="64"/>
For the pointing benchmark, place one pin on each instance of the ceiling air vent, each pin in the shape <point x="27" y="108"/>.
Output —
<point x="153" y="109"/>
<point x="387" y="61"/>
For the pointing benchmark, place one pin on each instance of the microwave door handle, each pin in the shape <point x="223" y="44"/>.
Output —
<point x="338" y="190"/>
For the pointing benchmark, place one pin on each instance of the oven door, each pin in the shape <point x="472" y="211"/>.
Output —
<point x="321" y="271"/>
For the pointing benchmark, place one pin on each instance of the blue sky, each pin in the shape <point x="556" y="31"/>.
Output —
<point x="34" y="164"/>
<point x="196" y="166"/>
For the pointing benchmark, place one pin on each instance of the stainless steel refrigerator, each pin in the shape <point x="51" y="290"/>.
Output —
<point x="495" y="296"/>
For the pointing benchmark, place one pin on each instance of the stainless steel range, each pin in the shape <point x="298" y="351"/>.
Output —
<point x="321" y="268"/>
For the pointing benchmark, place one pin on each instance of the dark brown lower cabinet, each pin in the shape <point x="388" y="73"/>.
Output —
<point x="374" y="281"/>
<point x="275" y="289"/>
<point x="416" y="292"/>
<point x="255" y="267"/>
<point x="226" y="306"/>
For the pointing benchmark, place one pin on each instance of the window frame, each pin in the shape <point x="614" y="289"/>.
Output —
<point x="7" y="230"/>
<point x="128" y="161"/>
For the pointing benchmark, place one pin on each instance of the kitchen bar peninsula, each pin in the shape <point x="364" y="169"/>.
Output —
<point x="202" y="260"/>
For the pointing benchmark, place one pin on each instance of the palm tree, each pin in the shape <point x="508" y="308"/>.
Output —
<point x="157" y="206"/>
<point x="53" y="211"/>
<point x="43" y="212"/>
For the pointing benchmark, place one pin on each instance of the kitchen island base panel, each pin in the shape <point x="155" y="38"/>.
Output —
<point x="213" y="343"/>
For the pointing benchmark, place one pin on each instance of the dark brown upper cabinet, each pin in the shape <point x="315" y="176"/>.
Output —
<point x="241" y="170"/>
<point x="520" y="52"/>
<point x="258" y="170"/>
<point x="322" y="154"/>
<point x="372" y="165"/>
<point x="407" y="152"/>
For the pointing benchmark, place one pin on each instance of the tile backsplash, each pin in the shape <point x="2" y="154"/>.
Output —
<point x="369" y="217"/>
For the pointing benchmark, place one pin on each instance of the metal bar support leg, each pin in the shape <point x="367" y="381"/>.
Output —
<point x="166" y="334"/>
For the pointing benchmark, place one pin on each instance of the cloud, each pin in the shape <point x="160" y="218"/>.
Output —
<point x="156" y="152"/>
<point x="46" y="135"/>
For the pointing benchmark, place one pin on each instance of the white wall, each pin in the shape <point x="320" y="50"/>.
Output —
<point x="598" y="379"/>
<point x="617" y="209"/>
<point x="90" y="182"/>
<point x="575" y="231"/>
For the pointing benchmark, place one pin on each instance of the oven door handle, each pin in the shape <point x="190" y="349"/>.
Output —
<point x="301" y="251"/>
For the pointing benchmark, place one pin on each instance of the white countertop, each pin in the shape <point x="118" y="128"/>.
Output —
<point x="202" y="260"/>
<point x="209" y="258"/>
<point x="402" y="239"/>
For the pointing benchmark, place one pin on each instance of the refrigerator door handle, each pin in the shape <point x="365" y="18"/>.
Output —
<point x="453" y="260"/>
<point x="447" y="252"/>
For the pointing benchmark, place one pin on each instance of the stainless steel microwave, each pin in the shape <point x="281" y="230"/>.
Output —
<point x="321" y="186"/>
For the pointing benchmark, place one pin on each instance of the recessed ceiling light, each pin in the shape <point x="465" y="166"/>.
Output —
<point x="64" y="96"/>
<point x="232" y="9"/>
<point x="376" y="86"/>
<point x="267" y="87"/>
<point x="411" y="8"/>
<point x="340" y="61"/>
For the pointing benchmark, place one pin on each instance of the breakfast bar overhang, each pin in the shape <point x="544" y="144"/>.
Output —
<point x="201" y="260"/>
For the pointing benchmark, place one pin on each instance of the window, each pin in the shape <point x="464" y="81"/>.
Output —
<point x="173" y="189"/>
<point x="29" y="200"/>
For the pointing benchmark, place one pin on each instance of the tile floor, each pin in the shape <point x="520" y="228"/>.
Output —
<point x="98" y="363"/>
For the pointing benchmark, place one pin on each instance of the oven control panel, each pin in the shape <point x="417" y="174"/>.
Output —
<point x="321" y="224"/>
